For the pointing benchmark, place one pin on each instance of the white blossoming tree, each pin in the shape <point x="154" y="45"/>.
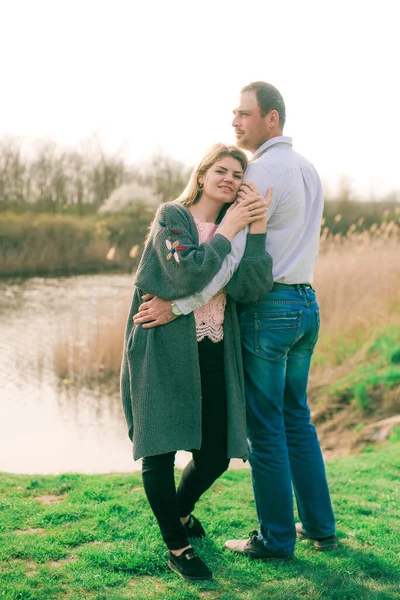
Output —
<point x="129" y="197"/>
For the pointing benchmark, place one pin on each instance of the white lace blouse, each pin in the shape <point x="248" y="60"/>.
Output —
<point x="210" y="317"/>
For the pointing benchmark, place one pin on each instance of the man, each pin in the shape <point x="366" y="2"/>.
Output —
<point x="279" y="333"/>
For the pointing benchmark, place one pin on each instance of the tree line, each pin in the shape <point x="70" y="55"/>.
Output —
<point x="49" y="179"/>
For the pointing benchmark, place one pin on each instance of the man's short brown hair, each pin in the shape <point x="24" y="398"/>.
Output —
<point x="268" y="98"/>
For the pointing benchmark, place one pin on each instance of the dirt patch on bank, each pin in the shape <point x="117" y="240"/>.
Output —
<point x="345" y="429"/>
<point x="49" y="499"/>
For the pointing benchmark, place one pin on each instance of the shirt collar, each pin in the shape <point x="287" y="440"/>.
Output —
<point x="280" y="139"/>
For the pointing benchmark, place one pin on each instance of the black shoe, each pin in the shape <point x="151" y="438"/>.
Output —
<point x="194" y="528"/>
<point x="189" y="566"/>
<point x="323" y="544"/>
<point x="255" y="548"/>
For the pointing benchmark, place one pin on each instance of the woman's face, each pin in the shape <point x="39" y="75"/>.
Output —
<point x="222" y="181"/>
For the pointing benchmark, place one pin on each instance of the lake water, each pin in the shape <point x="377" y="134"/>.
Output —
<point x="45" y="425"/>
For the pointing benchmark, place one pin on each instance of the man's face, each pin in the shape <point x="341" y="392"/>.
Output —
<point x="251" y="129"/>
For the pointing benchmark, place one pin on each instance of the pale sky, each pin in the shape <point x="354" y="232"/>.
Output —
<point x="165" y="75"/>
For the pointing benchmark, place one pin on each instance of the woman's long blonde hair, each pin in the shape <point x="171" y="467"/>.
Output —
<point x="192" y="192"/>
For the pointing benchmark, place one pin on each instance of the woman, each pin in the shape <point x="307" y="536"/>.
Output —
<point x="182" y="383"/>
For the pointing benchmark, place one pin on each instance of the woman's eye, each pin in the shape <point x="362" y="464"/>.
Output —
<point x="238" y="177"/>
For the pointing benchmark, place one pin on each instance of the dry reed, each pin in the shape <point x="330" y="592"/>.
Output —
<point x="358" y="286"/>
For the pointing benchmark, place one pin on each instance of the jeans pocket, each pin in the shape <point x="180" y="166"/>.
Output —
<point x="275" y="333"/>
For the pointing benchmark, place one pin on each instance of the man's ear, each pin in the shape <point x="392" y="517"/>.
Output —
<point x="273" y="118"/>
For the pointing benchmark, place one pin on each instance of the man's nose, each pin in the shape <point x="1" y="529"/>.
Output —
<point x="235" y="122"/>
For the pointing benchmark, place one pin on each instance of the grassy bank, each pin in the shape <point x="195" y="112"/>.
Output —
<point x="79" y="537"/>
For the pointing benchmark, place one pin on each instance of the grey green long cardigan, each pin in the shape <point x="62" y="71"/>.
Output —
<point x="160" y="375"/>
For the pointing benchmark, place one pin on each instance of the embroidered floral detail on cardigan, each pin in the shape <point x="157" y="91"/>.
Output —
<point x="173" y="249"/>
<point x="174" y="231"/>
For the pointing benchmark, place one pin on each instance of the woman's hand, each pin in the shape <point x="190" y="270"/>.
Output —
<point x="249" y="207"/>
<point x="249" y="191"/>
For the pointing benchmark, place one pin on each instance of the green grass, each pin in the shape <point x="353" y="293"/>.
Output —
<point x="80" y="537"/>
<point x="377" y="371"/>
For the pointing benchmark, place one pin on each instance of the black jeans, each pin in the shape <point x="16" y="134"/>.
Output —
<point x="207" y="464"/>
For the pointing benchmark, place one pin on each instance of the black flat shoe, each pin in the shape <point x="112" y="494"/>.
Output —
<point x="194" y="528"/>
<point x="189" y="566"/>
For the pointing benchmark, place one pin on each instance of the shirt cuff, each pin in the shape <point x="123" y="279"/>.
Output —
<point x="175" y="309"/>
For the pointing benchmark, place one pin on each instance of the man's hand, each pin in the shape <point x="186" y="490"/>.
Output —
<point x="153" y="312"/>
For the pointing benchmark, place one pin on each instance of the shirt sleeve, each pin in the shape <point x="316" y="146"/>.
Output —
<point x="228" y="268"/>
<point x="261" y="176"/>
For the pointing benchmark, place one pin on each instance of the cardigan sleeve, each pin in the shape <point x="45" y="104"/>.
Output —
<point x="173" y="264"/>
<point x="253" y="277"/>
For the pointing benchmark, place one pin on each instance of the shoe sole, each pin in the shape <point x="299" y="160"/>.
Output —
<point x="324" y="548"/>
<point x="281" y="559"/>
<point x="316" y="544"/>
<point x="187" y="577"/>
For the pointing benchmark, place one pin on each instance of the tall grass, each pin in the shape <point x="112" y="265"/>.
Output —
<point x="36" y="244"/>
<point x="358" y="282"/>
<point x="91" y="356"/>
<point x="358" y="286"/>
<point x="39" y="243"/>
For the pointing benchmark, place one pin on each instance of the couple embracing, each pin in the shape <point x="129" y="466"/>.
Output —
<point x="219" y="340"/>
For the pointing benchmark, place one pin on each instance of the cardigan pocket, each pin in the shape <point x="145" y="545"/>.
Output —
<point x="130" y="340"/>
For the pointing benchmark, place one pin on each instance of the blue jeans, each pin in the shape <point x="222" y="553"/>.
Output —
<point x="279" y="333"/>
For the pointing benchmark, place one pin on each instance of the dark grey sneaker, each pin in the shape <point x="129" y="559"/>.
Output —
<point x="194" y="529"/>
<point x="323" y="544"/>
<point x="189" y="566"/>
<point x="255" y="548"/>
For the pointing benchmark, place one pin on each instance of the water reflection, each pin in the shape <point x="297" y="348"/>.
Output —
<point x="45" y="426"/>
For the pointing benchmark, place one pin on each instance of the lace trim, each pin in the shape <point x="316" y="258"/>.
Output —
<point x="214" y="335"/>
<point x="210" y="317"/>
